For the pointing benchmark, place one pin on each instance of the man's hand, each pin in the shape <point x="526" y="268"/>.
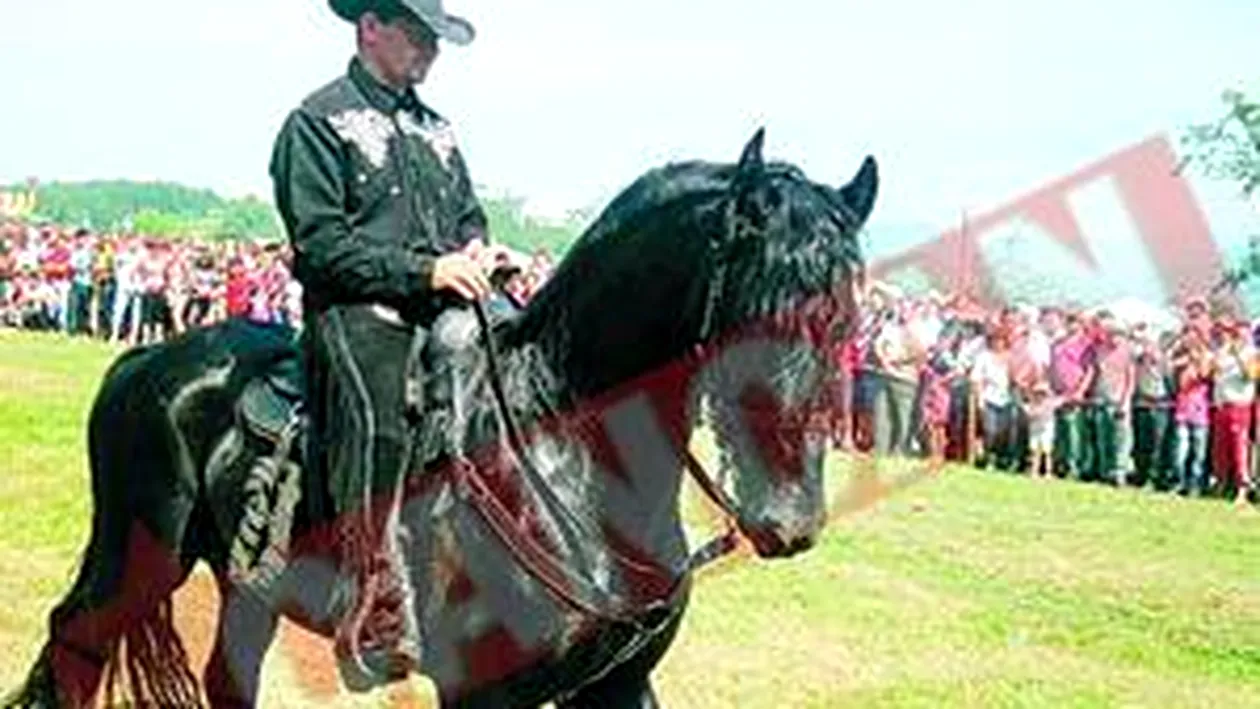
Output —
<point x="461" y="274"/>
<point x="492" y="257"/>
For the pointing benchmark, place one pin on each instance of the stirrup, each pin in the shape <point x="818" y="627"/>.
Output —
<point x="368" y="586"/>
<point x="362" y="669"/>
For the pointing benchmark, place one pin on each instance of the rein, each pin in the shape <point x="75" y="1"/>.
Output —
<point x="538" y="561"/>
<point x="724" y="543"/>
<point x="541" y="563"/>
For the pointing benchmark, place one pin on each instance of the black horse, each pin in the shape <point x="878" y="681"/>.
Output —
<point x="546" y="553"/>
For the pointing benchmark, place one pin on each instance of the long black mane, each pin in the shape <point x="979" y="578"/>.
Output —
<point x="653" y="252"/>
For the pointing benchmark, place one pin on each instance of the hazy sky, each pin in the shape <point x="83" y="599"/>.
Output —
<point x="964" y="104"/>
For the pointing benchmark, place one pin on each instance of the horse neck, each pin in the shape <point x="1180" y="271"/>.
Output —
<point x="641" y="439"/>
<point x="615" y="326"/>
<point x="626" y="305"/>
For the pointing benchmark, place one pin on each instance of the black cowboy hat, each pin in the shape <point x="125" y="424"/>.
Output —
<point x="453" y="29"/>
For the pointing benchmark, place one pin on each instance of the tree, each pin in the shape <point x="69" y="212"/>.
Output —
<point x="153" y="222"/>
<point x="1228" y="148"/>
<point x="509" y="225"/>
<point x="176" y="211"/>
<point x="249" y="217"/>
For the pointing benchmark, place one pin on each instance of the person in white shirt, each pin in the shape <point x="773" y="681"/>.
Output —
<point x="1235" y="369"/>
<point x="991" y="379"/>
<point x="127" y="293"/>
<point x="896" y="357"/>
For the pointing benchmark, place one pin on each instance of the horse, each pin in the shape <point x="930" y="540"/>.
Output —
<point x="546" y="556"/>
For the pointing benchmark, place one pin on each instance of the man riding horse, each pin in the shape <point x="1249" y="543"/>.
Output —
<point x="380" y="211"/>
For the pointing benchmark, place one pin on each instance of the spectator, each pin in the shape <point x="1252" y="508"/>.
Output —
<point x="104" y="288"/>
<point x="1069" y="380"/>
<point x="79" y="297"/>
<point x="55" y="262"/>
<point x="1110" y="396"/>
<point x="177" y="273"/>
<point x="944" y="367"/>
<point x="205" y="283"/>
<point x="1040" y="410"/>
<point x="155" y="309"/>
<point x="896" y="359"/>
<point x="1235" y="368"/>
<point x="846" y="356"/>
<point x="129" y="290"/>
<point x="240" y="289"/>
<point x="1153" y="401"/>
<point x="991" y="379"/>
<point x="1192" y="367"/>
<point x="8" y="272"/>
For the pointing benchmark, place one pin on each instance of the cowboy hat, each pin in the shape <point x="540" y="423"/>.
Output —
<point x="453" y="29"/>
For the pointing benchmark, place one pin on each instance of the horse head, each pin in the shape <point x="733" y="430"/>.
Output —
<point x="784" y="272"/>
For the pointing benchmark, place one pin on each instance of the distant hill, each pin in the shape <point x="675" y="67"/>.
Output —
<point x="173" y="210"/>
<point x="165" y="209"/>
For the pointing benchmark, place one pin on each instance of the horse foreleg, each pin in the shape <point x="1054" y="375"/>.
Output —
<point x="246" y="627"/>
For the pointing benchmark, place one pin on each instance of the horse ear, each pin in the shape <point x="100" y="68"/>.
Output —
<point x="751" y="162"/>
<point x="860" y="193"/>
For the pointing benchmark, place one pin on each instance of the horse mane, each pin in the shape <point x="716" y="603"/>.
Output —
<point x="660" y="215"/>
<point x="646" y="196"/>
<point x="667" y="218"/>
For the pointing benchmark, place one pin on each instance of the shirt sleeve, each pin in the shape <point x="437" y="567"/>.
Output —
<point x="329" y="257"/>
<point x="471" y="222"/>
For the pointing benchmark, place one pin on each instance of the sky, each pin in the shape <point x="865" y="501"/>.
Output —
<point x="564" y="102"/>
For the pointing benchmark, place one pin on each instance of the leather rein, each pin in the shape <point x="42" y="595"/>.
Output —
<point x="542" y="564"/>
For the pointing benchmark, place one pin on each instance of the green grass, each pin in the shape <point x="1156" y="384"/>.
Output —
<point x="969" y="589"/>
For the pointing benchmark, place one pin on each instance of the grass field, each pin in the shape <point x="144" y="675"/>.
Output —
<point x="966" y="590"/>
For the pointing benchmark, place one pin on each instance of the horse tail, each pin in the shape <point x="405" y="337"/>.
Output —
<point x="115" y="625"/>
<point x="149" y="656"/>
<point x="156" y="662"/>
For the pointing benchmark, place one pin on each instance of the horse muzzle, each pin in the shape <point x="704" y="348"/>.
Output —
<point x="775" y="541"/>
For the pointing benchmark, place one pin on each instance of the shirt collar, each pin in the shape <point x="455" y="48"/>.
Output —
<point x="382" y="97"/>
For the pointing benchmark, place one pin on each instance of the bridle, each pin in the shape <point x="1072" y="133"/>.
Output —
<point x="543" y="565"/>
<point x="736" y="225"/>
<point x="540" y="563"/>
<point x="725" y="542"/>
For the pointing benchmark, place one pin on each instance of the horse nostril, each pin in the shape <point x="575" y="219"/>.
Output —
<point x="776" y="540"/>
<point x="800" y="544"/>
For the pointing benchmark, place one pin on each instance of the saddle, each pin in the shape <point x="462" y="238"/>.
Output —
<point x="271" y="406"/>
<point x="271" y="413"/>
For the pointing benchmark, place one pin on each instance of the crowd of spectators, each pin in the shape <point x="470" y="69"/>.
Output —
<point x="1050" y="391"/>
<point x="138" y="290"/>
<point x="1047" y="391"/>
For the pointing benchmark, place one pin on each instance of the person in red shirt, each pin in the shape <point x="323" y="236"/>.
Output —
<point x="240" y="289"/>
<point x="1070" y="375"/>
<point x="56" y="268"/>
